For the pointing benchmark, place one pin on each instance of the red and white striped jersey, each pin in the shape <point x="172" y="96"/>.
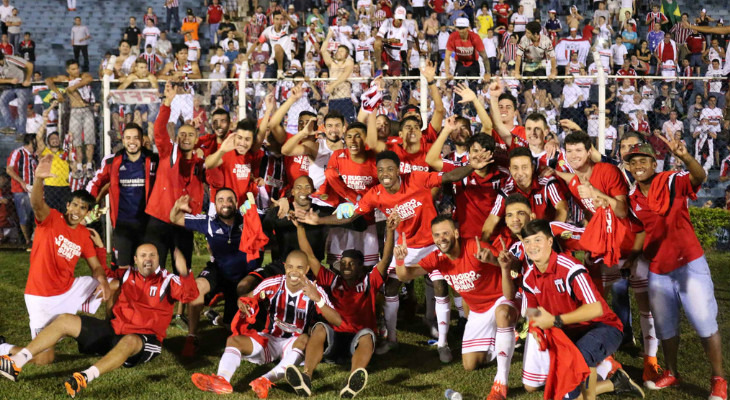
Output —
<point x="544" y="194"/>
<point x="289" y="314"/>
<point x="24" y="163"/>
<point x="154" y="62"/>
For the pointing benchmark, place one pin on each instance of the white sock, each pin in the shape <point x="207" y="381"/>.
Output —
<point x="229" y="363"/>
<point x="603" y="369"/>
<point x="5" y="349"/>
<point x="459" y="304"/>
<point x="430" y="314"/>
<point x="390" y="309"/>
<point x="651" y="343"/>
<point x="504" y="346"/>
<point x="21" y="358"/>
<point x="293" y="357"/>
<point x="91" y="373"/>
<point x="443" y="317"/>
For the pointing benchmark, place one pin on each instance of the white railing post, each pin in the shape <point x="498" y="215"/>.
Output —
<point x="106" y="115"/>
<point x="242" y="92"/>
<point x="424" y="95"/>
<point x="601" y="104"/>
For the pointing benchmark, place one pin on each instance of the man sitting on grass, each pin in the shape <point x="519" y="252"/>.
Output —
<point x="134" y="336"/>
<point x="353" y="293"/>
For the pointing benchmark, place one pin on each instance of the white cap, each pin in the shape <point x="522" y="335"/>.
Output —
<point x="552" y="12"/>
<point x="573" y="29"/>
<point x="704" y="10"/>
<point x="400" y="13"/>
<point x="461" y="23"/>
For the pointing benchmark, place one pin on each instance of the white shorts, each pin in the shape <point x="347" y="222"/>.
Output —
<point x="536" y="364"/>
<point x="182" y="104"/>
<point x="414" y="256"/>
<point x="341" y="239"/>
<point x="639" y="280"/>
<point x="275" y="348"/>
<point x="481" y="330"/>
<point x="42" y="310"/>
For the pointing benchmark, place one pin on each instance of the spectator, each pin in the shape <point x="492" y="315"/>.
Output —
<point x="7" y="211"/>
<point x="467" y="48"/>
<point x="21" y="167"/>
<point x="535" y="48"/>
<point x="226" y="26"/>
<point x="154" y="62"/>
<point x="151" y="33"/>
<point x="656" y="18"/>
<point x="80" y="42"/>
<point x="150" y="15"/>
<point x="133" y="35"/>
<point x="673" y="125"/>
<point x="5" y="46"/>
<point x="172" y="15"/>
<point x="15" y="75"/>
<point x="666" y="50"/>
<point x="214" y="16"/>
<point x="14" y="22"/>
<point x="33" y="121"/>
<point x="56" y="190"/>
<point x="654" y="37"/>
<point x="163" y="47"/>
<point x="340" y="66"/>
<point x="713" y="114"/>
<point x="704" y="143"/>
<point x="696" y="46"/>
<point x="713" y="86"/>
<point x="193" y="48"/>
<point x="191" y="24"/>
<point x="680" y="36"/>
<point x="6" y="11"/>
<point x="519" y="20"/>
<point x="27" y="48"/>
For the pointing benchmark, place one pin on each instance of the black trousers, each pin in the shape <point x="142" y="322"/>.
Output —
<point x="166" y="237"/>
<point x="126" y="237"/>
<point x="84" y="51"/>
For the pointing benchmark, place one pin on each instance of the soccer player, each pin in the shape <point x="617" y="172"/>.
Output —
<point x="467" y="267"/>
<point x="291" y="302"/>
<point x="60" y="240"/>
<point x="409" y="196"/>
<point x="130" y="174"/>
<point x="558" y="294"/>
<point x="134" y="336"/>
<point x="507" y="134"/>
<point x="352" y="292"/>
<point x="678" y="271"/>
<point x="223" y="232"/>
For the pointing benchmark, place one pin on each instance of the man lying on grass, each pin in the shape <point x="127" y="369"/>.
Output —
<point x="134" y="336"/>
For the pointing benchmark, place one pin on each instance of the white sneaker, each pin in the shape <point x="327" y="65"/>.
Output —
<point x="445" y="354"/>
<point x="385" y="346"/>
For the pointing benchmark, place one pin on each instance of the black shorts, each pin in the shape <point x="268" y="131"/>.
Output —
<point x="97" y="337"/>
<point x="125" y="239"/>
<point x="340" y="346"/>
<point x="219" y="284"/>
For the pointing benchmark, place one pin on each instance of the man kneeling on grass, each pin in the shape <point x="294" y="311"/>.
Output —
<point x="353" y="293"/>
<point x="134" y="336"/>
<point x="290" y="302"/>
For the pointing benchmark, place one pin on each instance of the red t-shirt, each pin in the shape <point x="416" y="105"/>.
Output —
<point x="348" y="178"/>
<point x="694" y="43"/>
<point x="475" y="196"/>
<point x="502" y="151"/>
<point x="480" y="284"/>
<point x="56" y="249"/>
<point x="215" y="13"/>
<point x="412" y="202"/>
<point x="563" y="288"/>
<point x="544" y="194"/>
<point x="413" y="161"/>
<point x="670" y="241"/>
<point x="605" y="177"/>
<point x="295" y="166"/>
<point x="356" y="305"/>
<point x="239" y="171"/>
<point x="438" y="6"/>
<point x="466" y="51"/>
<point x="502" y="11"/>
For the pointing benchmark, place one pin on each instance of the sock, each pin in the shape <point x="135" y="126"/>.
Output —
<point x="603" y="369"/>
<point x="91" y="373"/>
<point x="651" y="343"/>
<point x="504" y="346"/>
<point x="390" y="309"/>
<point x="459" y="304"/>
<point x="229" y="363"/>
<point x="293" y="357"/>
<point x="5" y="349"/>
<point x="21" y="357"/>
<point x="443" y="316"/>
<point x="88" y="164"/>
<point x="430" y="314"/>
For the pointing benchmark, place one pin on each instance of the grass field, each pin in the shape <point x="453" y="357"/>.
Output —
<point x="410" y="372"/>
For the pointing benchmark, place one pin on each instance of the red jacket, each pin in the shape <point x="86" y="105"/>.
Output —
<point x="170" y="184"/>
<point x="145" y="305"/>
<point x="109" y="173"/>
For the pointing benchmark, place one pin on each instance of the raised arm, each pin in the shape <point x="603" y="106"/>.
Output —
<point x="391" y="225"/>
<point x="303" y="143"/>
<point x="439" y="111"/>
<point x="405" y="273"/>
<point x="181" y="207"/>
<point x="433" y="157"/>
<point x="468" y="95"/>
<point x="43" y="171"/>
<point x="371" y="139"/>
<point x="275" y="123"/>
<point x="306" y="247"/>
<point x="216" y="159"/>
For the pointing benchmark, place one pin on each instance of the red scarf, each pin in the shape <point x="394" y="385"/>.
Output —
<point x="252" y="235"/>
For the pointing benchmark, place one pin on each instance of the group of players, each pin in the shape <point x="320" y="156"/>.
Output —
<point x="506" y="251"/>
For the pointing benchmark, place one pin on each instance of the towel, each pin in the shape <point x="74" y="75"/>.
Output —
<point x="564" y="357"/>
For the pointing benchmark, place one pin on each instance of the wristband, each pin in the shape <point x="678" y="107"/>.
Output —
<point x="321" y="303"/>
<point x="431" y="82"/>
<point x="558" y="323"/>
<point x="400" y="263"/>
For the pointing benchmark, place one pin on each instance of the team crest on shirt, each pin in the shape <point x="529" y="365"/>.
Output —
<point x="559" y="285"/>
<point x="153" y="291"/>
<point x="66" y="248"/>
<point x="538" y="198"/>
<point x="405" y="210"/>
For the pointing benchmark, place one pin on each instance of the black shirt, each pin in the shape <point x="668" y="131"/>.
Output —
<point x="27" y="50"/>
<point x="132" y="35"/>
<point x="285" y="233"/>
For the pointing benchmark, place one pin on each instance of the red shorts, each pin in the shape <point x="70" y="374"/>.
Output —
<point x="394" y="67"/>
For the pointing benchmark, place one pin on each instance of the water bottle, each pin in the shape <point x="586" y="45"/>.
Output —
<point x="450" y="394"/>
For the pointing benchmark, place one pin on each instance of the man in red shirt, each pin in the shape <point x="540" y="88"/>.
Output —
<point x="470" y="269"/>
<point x="60" y="240"/>
<point x="352" y="293"/>
<point x="678" y="271"/>
<point x="559" y="294"/>
<point x="134" y="336"/>
<point x="503" y="11"/>
<point x="467" y="46"/>
<point x="213" y="18"/>
<point x="208" y="144"/>
<point x="409" y="196"/>
<point x="507" y="134"/>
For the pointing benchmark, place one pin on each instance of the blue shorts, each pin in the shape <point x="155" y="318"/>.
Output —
<point x="23" y="208"/>
<point x="595" y="345"/>
<point x="689" y="287"/>
<point x="695" y="60"/>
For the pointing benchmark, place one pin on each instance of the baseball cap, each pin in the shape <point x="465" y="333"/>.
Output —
<point x="640" y="149"/>
<point x="462" y="23"/>
<point x="552" y="12"/>
<point x="400" y="13"/>
<point x="573" y="29"/>
<point x="704" y="10"/>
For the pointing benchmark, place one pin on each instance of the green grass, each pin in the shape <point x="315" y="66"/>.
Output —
<point x="411" y="372"/>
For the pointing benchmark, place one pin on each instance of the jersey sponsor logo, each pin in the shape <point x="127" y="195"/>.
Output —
<point x="357" y="182"/>
<point x="559" y="285"/>
<point x="66" y="248"/>
<point x="462" y="282"/>
<point x="406" y="168"/>
<point x="405" y="210"/>
<point x="242" y="171"/>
